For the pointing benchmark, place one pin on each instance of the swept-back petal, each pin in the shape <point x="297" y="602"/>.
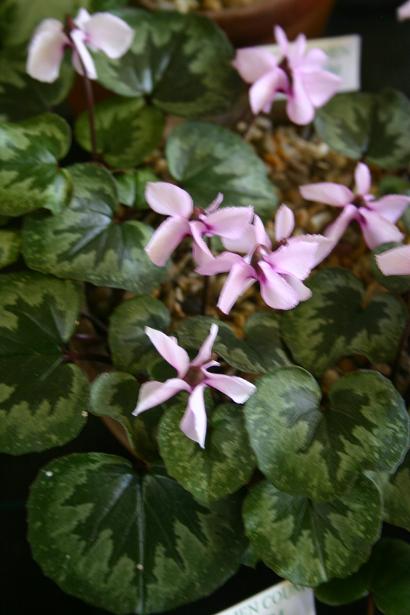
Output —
<point x="403" y="12"/>
<point x="395" y="261"/>
<point x="391" y="207"/>
<point x="194" y="423"/>
<point x="82" y="59"/>
<point x="154" y="393"/>
<point x="299" y="106"/>
<point x="296" y="258"/>
<point x="303" y="292"/>
<point x="315" y="58"/>
<point x="363" y="179"/>
<point x="253" y="63"/>
<point x="261" y="236"/>
<point x="205" y="352"/>
<point x="169" y="200"/>
<point x="46" y="51"/>
<point x="327" y="192"/>
<point x="335" y="230"/>
<point x="170" y="350"/>
<point x="109" y="34"/>
<point x="244" y="244"/>
<point x="240" y="278"/>
<point x="229" y="222"/>
<point x="238" y="389"/>
<point x="376" y="229"/>
<point x="320" y="85"/>
<point x="284" y="223"/>
<point x="219" y="264"/>
<point x="281" y="39"/>
<point x="166" y="238"/>
<point x="262" y="92"/>
<point x="275" y="290"/>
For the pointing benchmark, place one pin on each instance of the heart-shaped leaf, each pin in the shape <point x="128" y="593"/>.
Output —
<point x="390" y="583"/>
<point x="130" y="346"/>
<point x="42" y="399"/>
<point x="349" y="589"/>
<point x="129" y="543"/>
<point x="317" y="450"/>
<point x="309" y="542"/>
<point x="181" y="62"/>
<point x="334" y="323"/>
<point x="10" y="243"/>
<point x="115" y="395"/>
<point x="222" y="467"/>
<point x="131" y="187"/>
<point x="126" y="129"/>
<point x="86" y="243"/>
<point x="394" y="283"/>
<point x="374" y="126"/>
<point x="207" y="159"/>
<point x="396" y="494"/>
<point x="29" y="173"/>
<point x="260" y="352"/>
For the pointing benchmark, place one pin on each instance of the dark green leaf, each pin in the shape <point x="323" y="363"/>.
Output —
<point x="130" y="345"/>
<point x="396" y="493"/>
<point x="349" y="589"/>
<point x="29" y="174"/>
<point x="310" y="543"/>
<point x="129" y="543"/>
<point x="334" y="323"/>
<point x="391" y="577"/>
<point x="127" y="130"/>
<point x="207" y="159"/>
<point x="317" y="450"/>
<point x="222" y="467"/>
<point x="10" y="243"/>
<point x="394" y="283"/>
<point x="181" y="62"/>
<point x="43" y="401"/>
<point x="86" y="243"/>
<point x="131" y="187"/>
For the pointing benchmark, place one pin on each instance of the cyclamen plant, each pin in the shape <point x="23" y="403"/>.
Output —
<point x="247" y="347"/>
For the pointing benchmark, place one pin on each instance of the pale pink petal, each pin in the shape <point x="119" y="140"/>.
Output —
<point x="200" y="249"/>
<point x="215" y="203"/>
<point x="275" y="291"/>
<point x="238" y="389"/>
<point x="261" y="236"/>
<point x="169" y="200"/>
<point x="244" y="244"/>
<point x="154" y="393"/>
<point x="109" y="34"/>
<point x="327" y="192"/>
<point x="253" y="63"/>
<point x="219" y="264"/>
<point x="395" y="261"/>
<point x="284" y="223"/>
<point x="296" y="50"/>
<point x="240" y="278"/>
<point x="391" y="207"/>
<point x="299" y="107"/>
<point x="205" y="352"/>
<point x="281" y="39"/>
<point x="193" y="423"/>
<point x="170" y="350"/>
<point x="303" y="292"/>
<point x="335" y="230"/>
<point x="295" y="258"/>
<point x="81" y="19"/>
<point x="363" y="179"/>
<point x="46" y="51"/>
<point x="377" y="230"/>
<point x="166" y="238"/>
<point x="320" y="86"/>
<point x="82" y="59"/>
<point x="229" y="222"/>
<point x="263" y="91"/>
<point x="403" y="12"/>
<point x="315" y="58"/>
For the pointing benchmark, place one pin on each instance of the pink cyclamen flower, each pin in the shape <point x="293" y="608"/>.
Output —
<point x="395" y="261"/>
<point x="101" y="31"/>
<point x="193" y="377"/>
<point x="376" y="217"/>
<point x="279" y="269"/>
<point x="186" y="220"/>
<point x="403" y="12"/>
<point x="299" y="74"/>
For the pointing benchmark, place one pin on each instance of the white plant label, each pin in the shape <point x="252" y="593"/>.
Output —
<point x="281" y="599"/>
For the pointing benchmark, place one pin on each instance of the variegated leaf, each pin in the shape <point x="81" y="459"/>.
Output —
<point x="181" y="62"/>
<point x="207" y="159"/>
<point x="131" y="187"/>
<point x="374" y="126"/>
<point x="317" y="447"/>
<point x="42" y="399"/>
<point x="130" y="346"/>
<point x="309" y="542"/>
<point x="29" y="174"/>
<point x="10" y="243"/>
<point x="335" y="323"/>
<point x="125" y="542"/>
<point x="85" y="242"/>
<point x="127" y="130"/>
<point x="222" y="467"/>
<point x="396" y="493"/>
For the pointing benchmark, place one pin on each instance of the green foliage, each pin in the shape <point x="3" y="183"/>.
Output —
<point x="10" y="243"/>
<point x="222" y="467"/>
<point x="85" y="242"/>
<point x="396" y="494"/>
<point x="131" y="187"/>
<point x="207" y="159"/>
<point x="125" y="542"/>
<point x="335" y="323"/>
<point x="42" y="399"/>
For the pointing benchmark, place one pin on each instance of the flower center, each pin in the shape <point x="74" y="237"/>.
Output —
<point x="359" y="201"/>
<point x="285" y="66"/>
<point x="194" y="376"/>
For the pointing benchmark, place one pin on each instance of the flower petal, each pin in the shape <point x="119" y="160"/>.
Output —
<point x="81" y="19"/>
<point x="391" y="206"/>
<point x="244" y="244"/>
<point x="238" y="389"/>
<point x="82" y="59"/>
<point x="109" y="34"/>
<point x="275" y="291"/>
<point x="299" y="106"/>
<point x="403" y="12"/>
<point x="194" y="421"/>
<point x="169" y="200"/>
<point x="303" y="292"/>
<point x="327" y="192"/>
<point x="253" y="63"/>
<point x="154" y="393"/>
<point x="261" y="236"/>
<point x="230" y="221"/>
<point x="335" y="230"/>
<point x="170" y="350"/>
<point x="262" y="92"/>
<point x="296" y="258"/>
<point x="363" y="179"/>
<point x="376" y="229"/>
<point x="284" y="223"/>
<point x="205" y="352"/>
<point x="166" y="238"/>
<point x="219" y="264"/>
<point x="46" y="51"/>
<point x="215" y="203"/>
<point x="315" y="58"/>
<point x="281" y="39"/>
<point x="320" y="85"/>
<point x="240" y="278"/>
<point x="395" y="261"/>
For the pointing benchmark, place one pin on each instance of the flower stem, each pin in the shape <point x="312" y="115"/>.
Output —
<point x="370" y="606"/>
<point x="88" y="88"/>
